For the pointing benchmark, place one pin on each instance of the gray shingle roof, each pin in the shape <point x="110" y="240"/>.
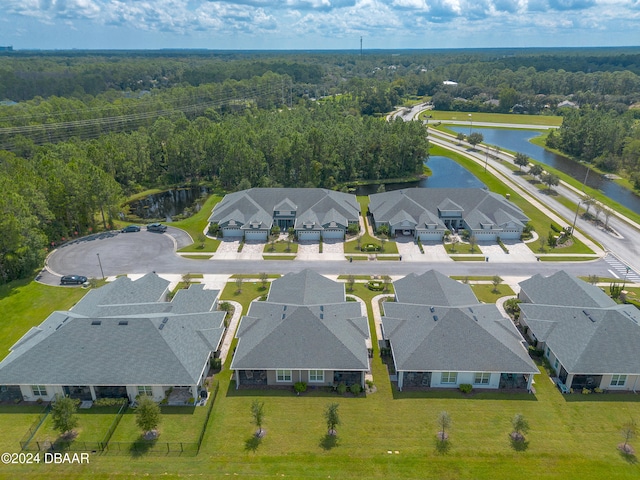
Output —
<point x="471" y="339"/>
<point x="311" y="204"/>
<point x="80" y="347"/>
<point x="564" y="289"/>
<point x="414" y="201"/>
<point x="588" y="340"/>
<point x="433" y="288"/>
<point x="306" y="288"/>
<point x="275" y="336"/>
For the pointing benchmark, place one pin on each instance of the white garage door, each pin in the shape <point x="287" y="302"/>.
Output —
<point x="231" y="232"/>
<point x="312" y="235"/>
<point x="333" y="233"/>
<point x="261" y="236"/>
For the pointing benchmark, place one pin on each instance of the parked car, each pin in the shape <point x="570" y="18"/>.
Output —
<point x="156" y="227"/>
<point x="73" y="280"/>
<point x="131" y="228"/>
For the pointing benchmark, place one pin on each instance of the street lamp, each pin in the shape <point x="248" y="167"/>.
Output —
<point x="575" y="218"/>
<point x="624" y="280"/>
<point x="486" y="157"/>
<point x="100" y="263"/>
<point x="470" y="123"/>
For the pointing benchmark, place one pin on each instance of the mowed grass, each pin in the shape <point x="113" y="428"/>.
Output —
<point x="486" y="293"/>
<point x="25" y="304"/>
<point x="544" y="120"/>
<point x="196" y="224"/>
<point x="93" y="425"/>
<point x="177" y="424"/>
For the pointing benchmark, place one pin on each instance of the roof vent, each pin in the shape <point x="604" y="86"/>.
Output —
<point x="283" y="315"/>
<point x="475" y="318"/>
<point x="322" y="308"/>
<point x="161" y="326"/>
<point x="432" y="309"/>
<point x="96" y="322"/>
<point x="284" y="309"/>
<point x="435" y="318"/>
<point x="585" y="312"/>
<point x="123" y="322"/>
<point x="471" y="309"/>
<point x="321" y="316"/>
<point x="165" y="319"/>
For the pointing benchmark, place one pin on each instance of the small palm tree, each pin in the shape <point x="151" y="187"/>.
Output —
<point x="444" y="423"/>
<point x="257" y="412"/>
<point x="332" y="418"/>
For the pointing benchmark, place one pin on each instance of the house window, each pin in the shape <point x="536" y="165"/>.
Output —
<point x="548" y="352"/>
<point x="555" y="365"/>
<point x="449" y="377"/>
<point x="283" y="375"/>
<point x="316" y="375"/>
<point x="618" y="380"/>
<point x="482" y="378"/>
<point x="145" y="390"/>
<point x="39" y="390"/>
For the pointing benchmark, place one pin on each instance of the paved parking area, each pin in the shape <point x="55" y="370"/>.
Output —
<point x="518" y="252"/>
<point x="308" y="250"/>
<point x="252" y="250"/>
<point x="409" y="250"/>
<point x="228" y="249"/>
<point x="435" y="252"/>
<point x="332" y="250"/>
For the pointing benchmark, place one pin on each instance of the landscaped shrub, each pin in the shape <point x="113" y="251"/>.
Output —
<point x="369" y="383"/>
<point x="419" y="242"/>
<point x="300" y="387"/>
<point x="555" y="228"/>
<point x="586" y="391"/>
<point x="216" y="364"/>
<point x="355" y="389"/>
<point x="534" y="352"/>
<point x="375" y="286"/>
<point x="465" y="387"/>
<point x="107" y="402"/>
<point x="341" y="388"/>
<point x="502" y="246"/>
<point x="370" y="247"/>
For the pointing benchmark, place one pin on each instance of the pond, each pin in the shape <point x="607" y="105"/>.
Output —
<point x="446" y="173"/>
<point x="518" y="141"/>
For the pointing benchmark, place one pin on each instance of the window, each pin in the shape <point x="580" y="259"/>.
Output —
<point x="548" y="352"/>
<point x="39" y="390"/>
<point x="145" y="390"/>
<point x="449" y="377"/>
<point x="555" y="365"/>
<point x="482" y="378"/>
<point x="283" y="375"/>
<point x="316" y="375"/>
<point x="618" y="380"/>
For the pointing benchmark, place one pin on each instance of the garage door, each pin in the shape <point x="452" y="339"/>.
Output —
<point x="231" y="232"/>
<point x="426" y="237"/>
<point x="260" y="236"/>
<point x="313" y="235"/>
<point x="333" y="233"/>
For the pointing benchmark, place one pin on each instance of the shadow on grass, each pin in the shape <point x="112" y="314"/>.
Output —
<point x="518" y="445"/>
<point x="274" y="391"/>
<point x="600" y="397"/>
<point x="455" y="394"/>
<point x="442" y="447"/>
<point x="142" y="446"/>
<point x="329" y="441"/>
<point x="629" y="457"/>
<point x="252" y="443"/>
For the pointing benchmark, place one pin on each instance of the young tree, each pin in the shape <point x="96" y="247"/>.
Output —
<point x="257" y="413"/>
<point x="147" y="414"/>
<point x="351" y="280"/>
<point x="593" y="279"/>
<point x="444" y="423"/>
<point x="460" y="137"/>
<point x="607" y="215"/>
<point x="629" y="431"/>
<point x="496" y="280"/>
<point x="63" y="414"/>
<point x="520" y="427"/>
<point x="264" y="280"/>
<point x="550" y="180"/>
<point x="475" y="138"/>
<point x="521" y="160"/>
<point x="332" y="418"/>
<point x="239" y="281"/>
<point x="599" y="208"/>
<point x="454" y="242"/>
<point x="473" y="243"/>
<point x="536" y="170"/>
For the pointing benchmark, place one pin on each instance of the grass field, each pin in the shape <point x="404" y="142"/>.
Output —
<point x="281" y="247"/>
<point x="486" y="294"/>
<point x="195" y="225"/>
<point x="544" y="120"/>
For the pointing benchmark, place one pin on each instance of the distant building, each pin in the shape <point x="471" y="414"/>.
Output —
<point x="450" y="83"/>
<point x="8" y="48"/>
<point x="567" y="103"/>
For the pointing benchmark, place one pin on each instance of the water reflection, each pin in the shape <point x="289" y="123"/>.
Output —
<point x="446" y="173"/>
<point x="518" y="141"/>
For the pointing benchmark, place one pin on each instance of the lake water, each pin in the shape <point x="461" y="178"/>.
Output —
<point x="518" y="141"/>
<point x="446" y="174"/>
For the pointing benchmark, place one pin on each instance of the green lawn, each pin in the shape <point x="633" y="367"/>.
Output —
<point x="197" y="257"/>
<point x="196" y="224"/>
<point x="177" y="424"/>
<point x="467" y="258"/>
<point x="281" y="246"/>
<point x="544" y="120"/>
<point x="544" y="258"/>
<point x="25" y="304"/>
<point x="461" y="248"/>
<point x="93" y="425"/>
<point x="278" y="257"/>
<point x="250" y="290"/>
<point x="352" y="246"/>
<point x="485" y="293"/>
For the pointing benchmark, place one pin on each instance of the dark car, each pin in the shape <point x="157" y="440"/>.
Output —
<point x="131" y="228"/>
<point x="73" y="280"/>
<point x="156" y="227"/>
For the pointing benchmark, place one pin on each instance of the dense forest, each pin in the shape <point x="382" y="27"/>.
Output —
<point x="81" y="131"/>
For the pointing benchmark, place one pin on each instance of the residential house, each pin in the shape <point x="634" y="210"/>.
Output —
<point x="305" y="331"/>
<point x="121" y="340"/>
<point x="314" y="213"/>
<point x="589" y="340"/>
<point x="427" y="213"/>
<point x="441" y="337"/>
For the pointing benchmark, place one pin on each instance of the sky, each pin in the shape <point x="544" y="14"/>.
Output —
<point x="317" y="24"/>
